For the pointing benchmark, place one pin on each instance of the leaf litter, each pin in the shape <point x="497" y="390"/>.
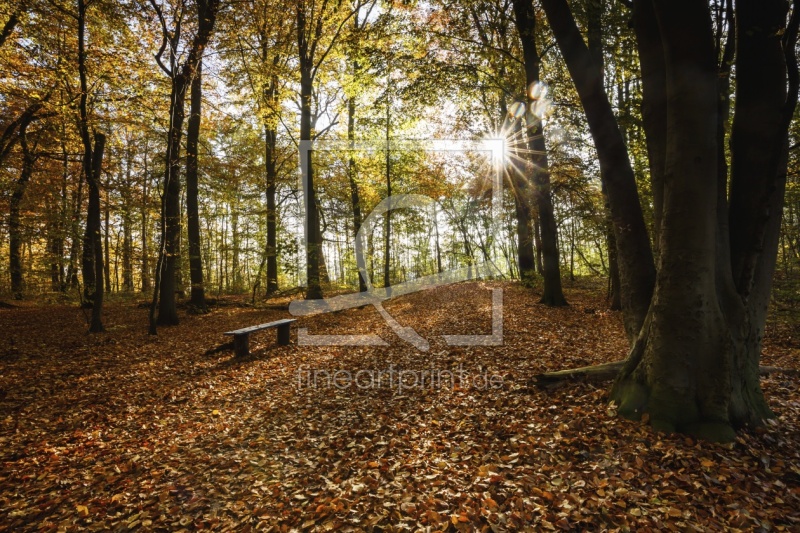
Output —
<point x="124" y="431"/>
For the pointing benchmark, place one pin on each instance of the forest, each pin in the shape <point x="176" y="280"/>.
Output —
<point x="559" y="240"/>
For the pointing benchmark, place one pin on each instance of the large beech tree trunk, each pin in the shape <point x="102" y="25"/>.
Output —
<point x="522" y="209"/>
<point x="537" y="150"/>
<point x="695" y="365"/>
<point x="92" y="165"/>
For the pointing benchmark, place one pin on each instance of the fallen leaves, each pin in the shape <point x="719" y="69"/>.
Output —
<point x="148" y="433"/>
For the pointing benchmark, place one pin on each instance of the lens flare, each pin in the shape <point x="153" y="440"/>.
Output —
<point x="537" y="90"/>
<point x="516" y="110"/>
<point x="541" y="108"/>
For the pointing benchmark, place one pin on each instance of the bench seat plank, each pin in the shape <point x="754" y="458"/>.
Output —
<point x="241" y="337"/>
<point x="259" y="327"/>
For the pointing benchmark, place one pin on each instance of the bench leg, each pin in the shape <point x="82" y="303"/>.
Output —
<point x="241" y="345"/>
<point x="283" y="334"/>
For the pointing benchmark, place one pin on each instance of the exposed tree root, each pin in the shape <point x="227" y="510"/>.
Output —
<point x="608" y="371"/>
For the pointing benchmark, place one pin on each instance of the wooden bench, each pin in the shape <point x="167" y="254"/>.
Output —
<point x="241" y="337"/>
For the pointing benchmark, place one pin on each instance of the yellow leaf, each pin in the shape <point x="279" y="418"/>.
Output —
<point x="215" y="412"/>
<point x="82" y="510"/>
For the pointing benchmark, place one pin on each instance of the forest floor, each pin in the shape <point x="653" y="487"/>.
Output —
<point x="125" y="431"/>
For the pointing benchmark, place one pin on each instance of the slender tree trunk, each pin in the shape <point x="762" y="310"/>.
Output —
<point x="127" y="233"/>
<point x="235" y="245"/>
<point x="537" y="241"/>
<point x="75" y="242"/>
<point x="636" y="266"/>
<point x="14" y="232"/>
<point x="387" y="217"/>
<point x="92" y="165"/>
<point x="272" y="210"/>
<point x="540" y="174"/>
<point x="355" y="199"/>
<point x="93" y="215"/>
<point x="654" y="102"/>
<point x="107" y="236"/>
<point x="313" y="233"/>
<point x="522" y="210"/>
<point x="145" y="270"/>
<point x="198" y="298"/>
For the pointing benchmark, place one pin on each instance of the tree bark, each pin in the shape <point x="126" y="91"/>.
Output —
<point x="145" y="265"/>
<point x="93" y="220"/>
<point x="198" y="298"/>
<point x="636" y="266"/>
<point x="171" y="208"/>
<point x="107" y="237"/>
<point x="695" y="366"/>
<point x="270" y="158"/>
<point x="654" y="102"/>
<point x="387" y="217"/>
<point x="313" y="232"/>
<point x="127" y="230"/>
<point x="355" y="199"/>
<point x="14" y="233"/>
<point x="522" y="211"/>
<point x="92" y="164"/>
<point x="553" y="294"/>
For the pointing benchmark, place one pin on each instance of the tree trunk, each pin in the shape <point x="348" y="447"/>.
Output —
<point x="522" y="210"/>
<point x="694" y="368"/>
<point x="14" y="233"/>
<point x="540" y="175"/>
<point x="636" y="266"/>
<point x="270" y="135"/>
<point x="107" y="236"/>
<point x="654" y="102"/>
<point x="75" y="242"/>
<point x="145" y="270"/>
<point x="93" y="220"/>
<point x="171" y="208"/>
<point x="613" y="268"/>
<point x="355" y="200"/>
<point x="92" y="164"/>
<point x="127" y="230"/>
<point x="198" y="298"/>
<point x="313" y="232"/>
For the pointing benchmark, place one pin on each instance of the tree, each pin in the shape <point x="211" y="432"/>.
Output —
<point x="634" y="254"/>
<point x="318" y="30"/>
<point x="694" y="365"/>
<point x="181" y="76"/>
<point x="197" y="298"/>
<point x="540" y="175"/>
<point x="15" y="241"/>
<point x="92" y="165"/>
